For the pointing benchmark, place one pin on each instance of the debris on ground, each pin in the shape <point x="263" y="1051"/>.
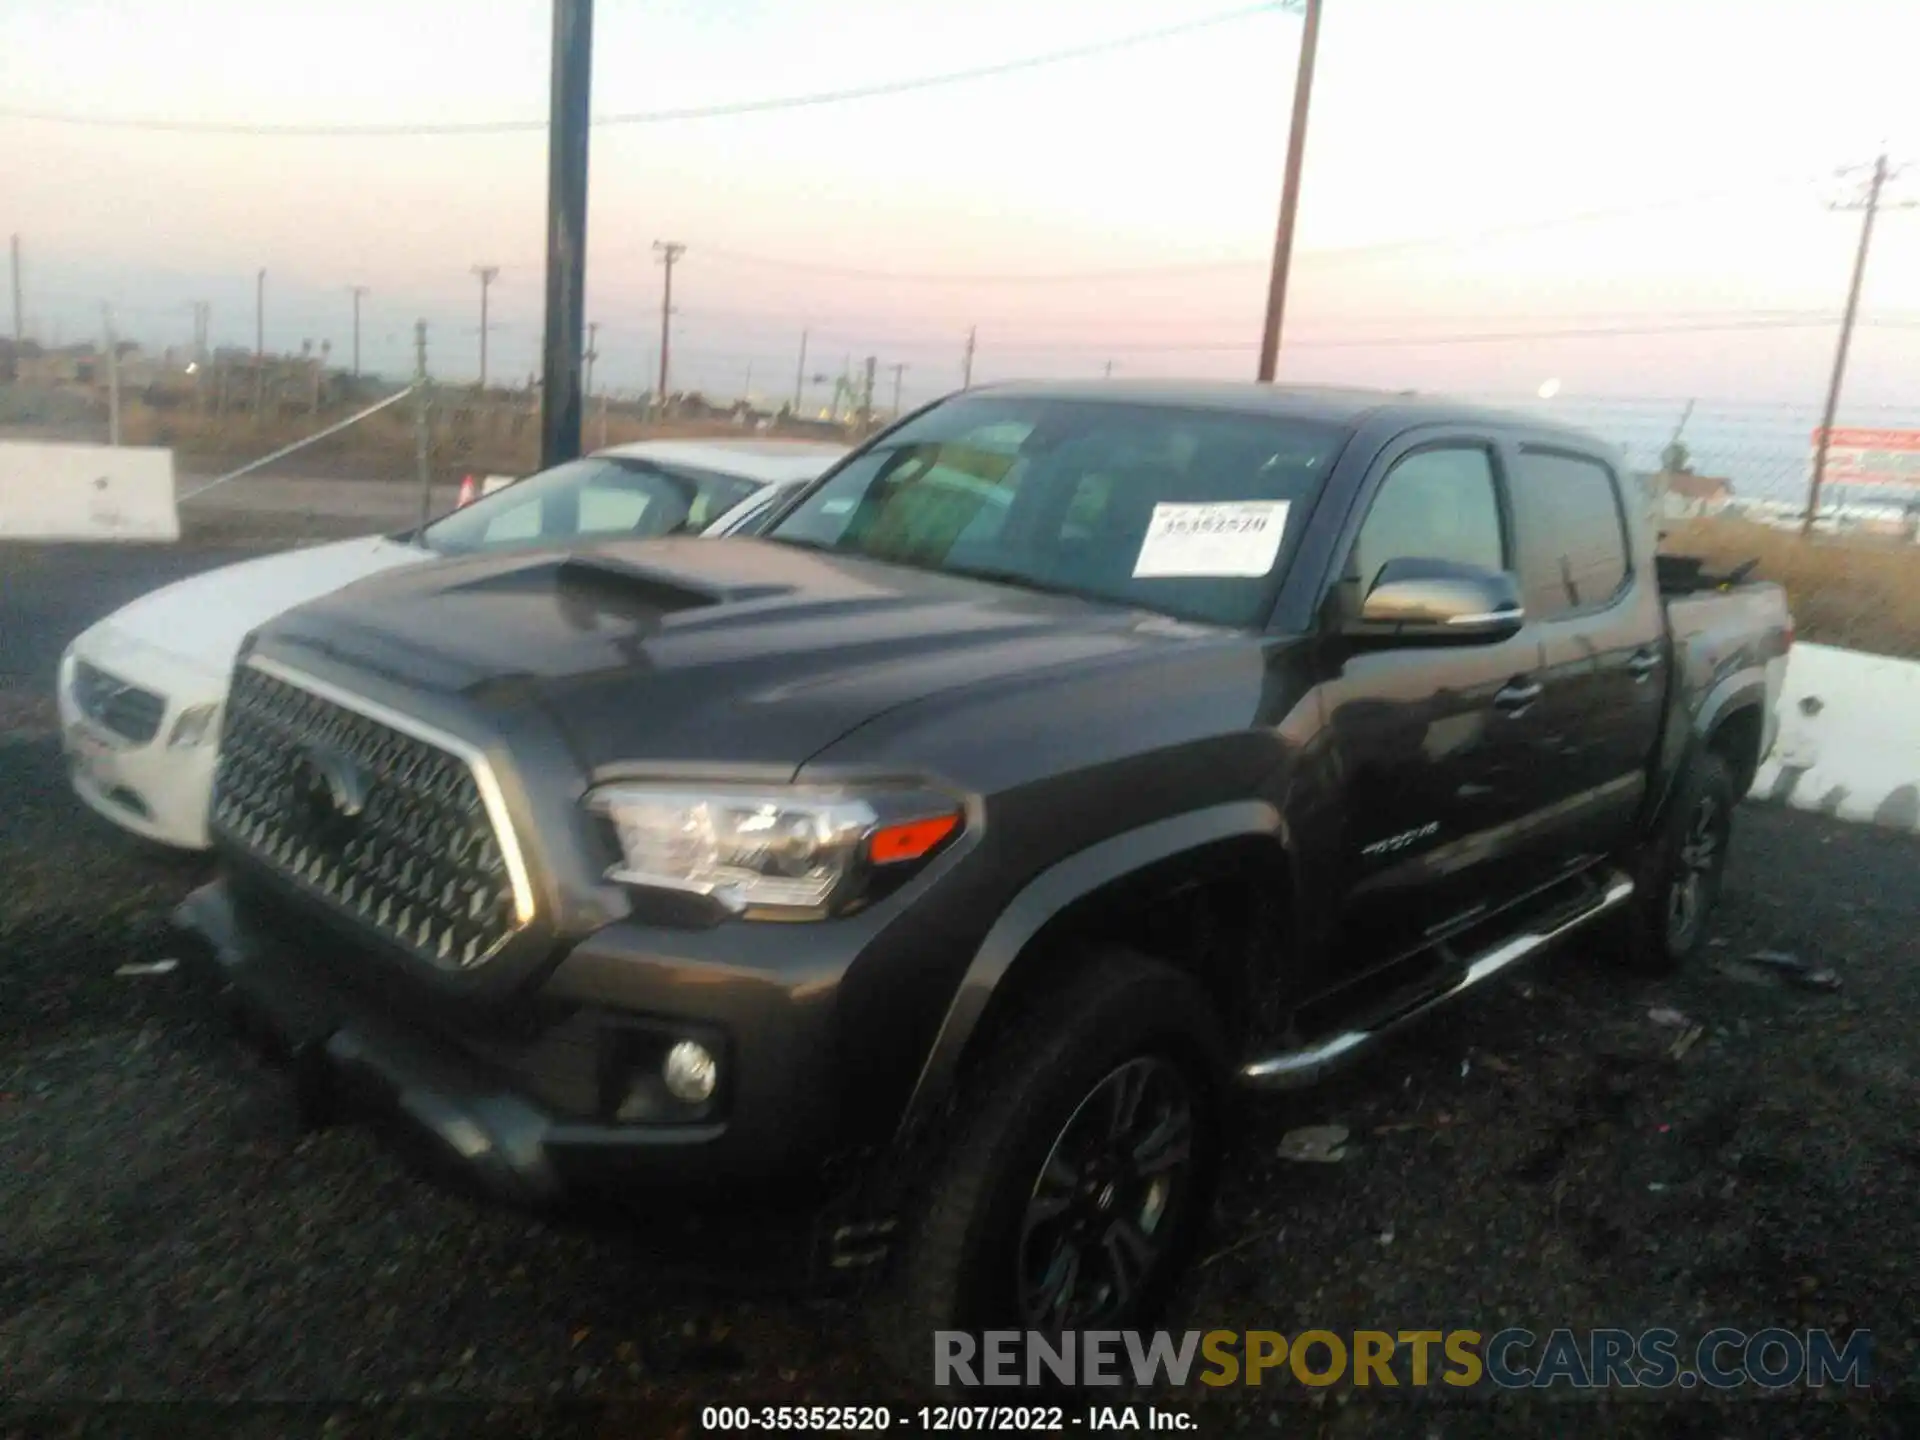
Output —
<point x="1668" y="1016"/>
<point x="147" y="967"/>
<point x="1793" y="970"/>
<point x="1315" y="1144"/>
<point x="1689" y="1038"/>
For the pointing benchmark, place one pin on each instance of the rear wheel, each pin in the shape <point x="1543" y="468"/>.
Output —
<point x="1680" y="874"/>
<point x="1079" y="1173"/>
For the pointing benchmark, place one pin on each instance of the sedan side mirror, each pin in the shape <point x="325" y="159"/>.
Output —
<point x="1417" y="601"/>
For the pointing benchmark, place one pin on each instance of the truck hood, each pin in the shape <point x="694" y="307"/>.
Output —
<point x="203" y="619"/>
<point x="733" y="653"/>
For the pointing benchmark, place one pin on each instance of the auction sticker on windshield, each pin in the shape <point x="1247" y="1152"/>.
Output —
<point x="1238" y="537"/>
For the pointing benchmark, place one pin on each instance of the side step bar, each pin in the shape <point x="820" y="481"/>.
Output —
<point x="1298" y="1069"/>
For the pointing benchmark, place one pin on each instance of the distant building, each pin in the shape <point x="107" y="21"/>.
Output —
<point x="1686" y="496"/>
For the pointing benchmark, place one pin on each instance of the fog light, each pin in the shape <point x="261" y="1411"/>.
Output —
<point x="691" y="1072"/>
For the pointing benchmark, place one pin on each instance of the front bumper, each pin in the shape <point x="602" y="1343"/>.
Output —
<point x="157" y="791"/>
<point x="351" y="1050"/>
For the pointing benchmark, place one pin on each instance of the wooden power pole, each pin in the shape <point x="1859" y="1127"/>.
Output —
<point x="1289" y="197"/>
<point x="669" y="252"/>
<point x="1871" y="206"/>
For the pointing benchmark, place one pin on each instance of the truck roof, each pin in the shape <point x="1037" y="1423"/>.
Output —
<point x="1327" y="404"/>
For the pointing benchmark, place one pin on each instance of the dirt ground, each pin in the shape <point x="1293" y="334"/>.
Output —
<point x="177" y="1256"/>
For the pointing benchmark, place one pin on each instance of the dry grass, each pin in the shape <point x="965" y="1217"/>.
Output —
<point x="1857" y="592"/>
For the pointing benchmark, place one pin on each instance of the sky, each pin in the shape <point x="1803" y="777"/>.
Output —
<point x="1482" y="178"/>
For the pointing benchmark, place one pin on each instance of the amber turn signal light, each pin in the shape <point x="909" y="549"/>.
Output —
<point x="892" y="844"/>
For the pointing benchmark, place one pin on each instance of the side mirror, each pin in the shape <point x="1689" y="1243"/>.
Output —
<point x="1439" y="602"/>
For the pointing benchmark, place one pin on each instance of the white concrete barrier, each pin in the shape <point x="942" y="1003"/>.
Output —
<point x="496" y="482"/>
<point x="86" y="492"/>
<point x="1849" y="741"/>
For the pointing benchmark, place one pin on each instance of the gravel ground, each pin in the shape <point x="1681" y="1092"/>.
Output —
<point x="1533" y="1158"/>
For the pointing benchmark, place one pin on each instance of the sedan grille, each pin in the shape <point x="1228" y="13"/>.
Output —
<point x="379" y="823"/>
<point x="114" y="705"/>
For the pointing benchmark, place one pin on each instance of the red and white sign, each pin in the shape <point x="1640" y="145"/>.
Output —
<point x="1871" y="457"/>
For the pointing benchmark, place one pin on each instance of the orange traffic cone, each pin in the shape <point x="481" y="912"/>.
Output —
<point x="466" y="492"/>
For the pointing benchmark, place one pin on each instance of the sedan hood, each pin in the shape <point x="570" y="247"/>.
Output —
<point x="688" y="651"/>
<point x="203" y="618"/>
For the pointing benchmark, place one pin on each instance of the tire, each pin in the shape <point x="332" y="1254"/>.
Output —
<point x="1678" y="878"/>
<point x="976" y="1237"/>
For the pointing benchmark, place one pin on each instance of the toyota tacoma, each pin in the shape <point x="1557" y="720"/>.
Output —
<point x="1062" y="762"/>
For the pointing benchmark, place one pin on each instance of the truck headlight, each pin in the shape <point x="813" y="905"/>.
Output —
<point x="772" y="853"/>
<point x="195" y="725"/>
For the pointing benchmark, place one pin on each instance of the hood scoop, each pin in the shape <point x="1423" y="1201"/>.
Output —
<point x="620" y="580"/>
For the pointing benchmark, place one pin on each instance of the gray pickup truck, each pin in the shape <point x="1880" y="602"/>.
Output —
<point x="1065" y="758"/>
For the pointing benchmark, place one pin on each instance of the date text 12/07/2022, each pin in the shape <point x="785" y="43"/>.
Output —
<point x="942" y="1419"/>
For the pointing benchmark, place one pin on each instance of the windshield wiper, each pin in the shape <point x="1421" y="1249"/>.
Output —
<point x="804" y="542"/>
<point x="992" y="575"/>
<point x="1018" y="578"/>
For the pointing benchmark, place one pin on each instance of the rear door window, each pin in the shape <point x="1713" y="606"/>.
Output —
<point x="1572" y="533"/>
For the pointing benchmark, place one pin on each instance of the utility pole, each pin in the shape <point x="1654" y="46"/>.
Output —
<point x="422" y="398"/>
<point x="800" y="376"/>
<point x="113" y="376"/>
<point x="669" y="252"/>
<point x="593" y="354"/>
<point x="19" y="333"/>
<point x="866" y="398"/>
<point x="202" y="326"/>
<point x="899" y="370"/>
<point x="487" y="274"/>
<point x="1871" y="206"/>
<point x="1109" y="374"/>
<point x="259" y="347"/>
<point x="359" y="291"/>
<point x="966" y="362"/>
<point x="568" y="117"/>
<point x="1289" y="196"/>
<point x="199" y="332"/>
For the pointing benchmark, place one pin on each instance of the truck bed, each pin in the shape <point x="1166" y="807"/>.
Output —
<point x="1730" y="634"/>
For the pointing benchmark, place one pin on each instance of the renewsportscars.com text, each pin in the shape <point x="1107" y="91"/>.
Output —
<point x="1508" y="1359"/>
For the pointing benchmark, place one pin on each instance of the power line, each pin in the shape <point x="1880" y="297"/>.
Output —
<point x="748" y="324"/>
<point x="657" y="117"/>
<point x="1251" y="263"/>
<point x="852" y="272"/>
<point x="1465" y="338"/>
<point x="1111" y="347"/>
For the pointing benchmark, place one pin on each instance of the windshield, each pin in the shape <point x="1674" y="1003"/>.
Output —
<point x="1188" y="512"/>
<point x="601" y="496"/>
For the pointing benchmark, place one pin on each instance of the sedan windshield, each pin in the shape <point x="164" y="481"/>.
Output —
<point x="599" y="497"/>
<point x="1186" y="511"/>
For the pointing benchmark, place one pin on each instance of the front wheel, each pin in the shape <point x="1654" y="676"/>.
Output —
<point x="1679" y="878"/>
<point x="1080" y="1170"/>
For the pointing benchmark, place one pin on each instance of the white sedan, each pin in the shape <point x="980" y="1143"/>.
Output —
<point x="140" y="692"/>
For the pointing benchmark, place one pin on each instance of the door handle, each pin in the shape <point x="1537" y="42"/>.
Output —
<point x="1643" y="663"/>
<point x="1517" y="695"/>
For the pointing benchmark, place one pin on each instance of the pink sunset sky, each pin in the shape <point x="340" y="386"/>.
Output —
<point x="1475" y="168"/>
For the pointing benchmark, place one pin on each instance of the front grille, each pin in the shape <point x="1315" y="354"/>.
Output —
<point x="380" y="824"/>
<point x="112" y="704"/>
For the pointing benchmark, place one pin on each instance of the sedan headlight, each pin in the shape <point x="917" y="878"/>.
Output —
<point x="195" y="726"/>
<point x="772" y="853"/>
